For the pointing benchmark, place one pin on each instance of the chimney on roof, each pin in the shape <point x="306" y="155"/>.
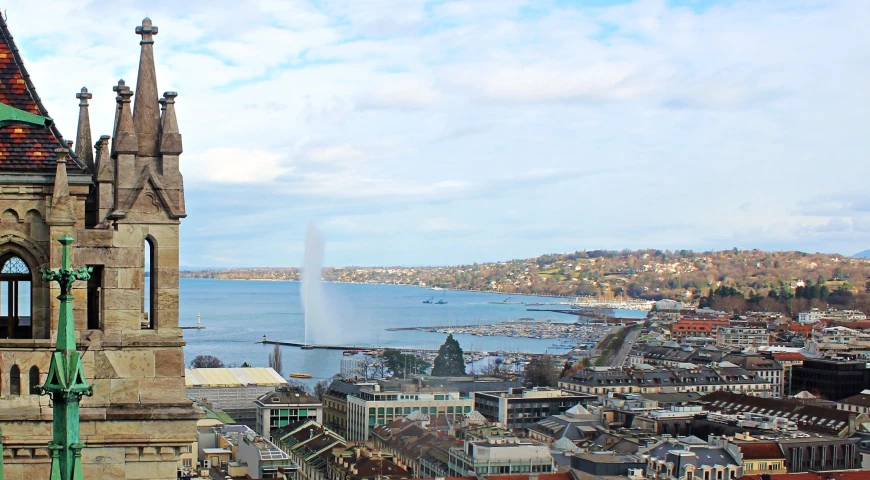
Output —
<point x="146" y="114"/>
<point x="83" y="134"/>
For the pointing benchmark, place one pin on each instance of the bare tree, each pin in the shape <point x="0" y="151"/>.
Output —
<point x="320" y="388"/>
<point x="206" y="361"/>
<point x="380" y="368"/>
<point x="541" y="371"/>
<point x="368" y="364"/>
<point x="275" y="360"/>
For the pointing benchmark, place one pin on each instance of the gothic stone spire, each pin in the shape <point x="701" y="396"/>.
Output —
<point x="146" y="111"/>
<point x="83" y="134"/>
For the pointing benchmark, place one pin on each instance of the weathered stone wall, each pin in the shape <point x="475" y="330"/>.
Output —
<point x="139" y="419"/>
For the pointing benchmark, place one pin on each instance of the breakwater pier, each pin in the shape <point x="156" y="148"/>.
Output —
<point x="369" y="348"/>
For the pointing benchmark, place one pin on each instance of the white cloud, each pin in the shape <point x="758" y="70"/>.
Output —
<point x="222" y="165"/>
<point x="513" y="117"/>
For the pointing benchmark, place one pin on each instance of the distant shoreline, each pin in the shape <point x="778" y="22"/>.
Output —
<point x="543" y="295"/>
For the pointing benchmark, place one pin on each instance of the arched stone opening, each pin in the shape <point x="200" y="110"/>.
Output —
<point x="29" y="309"/>
<point x="16" y="297"/>
<point x="14" y="381"/>
<point x="34" y="380"/>
<point x="149" y="302"/>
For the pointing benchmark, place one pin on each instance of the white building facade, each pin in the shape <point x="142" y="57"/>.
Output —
<point x="372" y="407"/>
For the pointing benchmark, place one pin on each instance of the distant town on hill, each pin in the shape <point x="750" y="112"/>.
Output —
<point x="768" y="279"/>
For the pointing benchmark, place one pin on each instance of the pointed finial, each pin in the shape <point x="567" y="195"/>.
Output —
<point x="84" y="96"/>
<point x="146" y="111"/>
<point x="62" y="209"/>
<point x="61" y="184"/>
<point x="61" y="154"/>
<point x="170" y="138"/>
<point x="147" y="30"/>
<point x="83" y="133"/>
<point x="120" y="86"/>
<point x="125" y="133"/>
<point x="105" y="168"/>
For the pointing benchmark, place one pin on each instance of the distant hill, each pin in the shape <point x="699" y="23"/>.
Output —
<point x="651" y="274"/>
<point x="863" y="254"/>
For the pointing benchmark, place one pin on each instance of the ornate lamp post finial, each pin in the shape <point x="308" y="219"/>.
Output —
<point x="66" y="382"/>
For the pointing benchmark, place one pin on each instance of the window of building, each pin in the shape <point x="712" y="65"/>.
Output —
<point x="34" y="380"/>
<point x="95" y="298"/>
<point x="14" y="380"/>
<point x="149" y="304"/>
<point x="15" y="294"/>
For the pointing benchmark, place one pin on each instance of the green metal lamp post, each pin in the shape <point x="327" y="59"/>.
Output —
<point x="66" y="382"/>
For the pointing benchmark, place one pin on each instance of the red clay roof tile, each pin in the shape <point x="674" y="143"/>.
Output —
<point x="25" y="148"/>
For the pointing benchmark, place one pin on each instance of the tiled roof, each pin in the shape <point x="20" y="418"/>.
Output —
<point x="788" y="356"/>
<point x="845" y="475"/>
<point x="288" y="397"/>
<point x="541" y="476"/>
<point x="809" y="417"/>
<point x="861" y="400"/>
<point x="760" y="451"/>
<point x="25" y="148"/>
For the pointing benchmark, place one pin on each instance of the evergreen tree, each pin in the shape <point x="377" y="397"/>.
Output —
<point x="449" y="362"/>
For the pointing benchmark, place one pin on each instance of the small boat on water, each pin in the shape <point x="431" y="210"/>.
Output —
<point x="428" y="300"/>
<point x="441" y="302"/>
<point x="300" y="375"/>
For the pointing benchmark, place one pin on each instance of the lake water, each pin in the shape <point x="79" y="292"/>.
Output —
<point x="237" y="313"/>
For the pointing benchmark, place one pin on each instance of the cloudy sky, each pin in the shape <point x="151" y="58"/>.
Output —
<point x="439" y="132"/>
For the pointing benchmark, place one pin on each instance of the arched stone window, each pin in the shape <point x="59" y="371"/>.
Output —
<point x="14" y="380"/>
<point x="34" y="380"/>
<point x="15" y="298"/>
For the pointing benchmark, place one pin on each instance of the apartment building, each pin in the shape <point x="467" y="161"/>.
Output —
<point x="740" y="337"/>
<point x="685" y="377"/>
<point x="500" y="456"/>
<point x="284" y="406"/>
<point x="372" y="406"/>
<point x="519" y="408"/>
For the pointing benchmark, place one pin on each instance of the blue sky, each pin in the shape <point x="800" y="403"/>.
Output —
<point x="423" y="133"/>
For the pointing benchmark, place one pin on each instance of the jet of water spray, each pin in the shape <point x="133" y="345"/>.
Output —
<point x="317" y="322"/>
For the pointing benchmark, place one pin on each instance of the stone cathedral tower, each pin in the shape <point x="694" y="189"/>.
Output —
<point x="122" y="200"/>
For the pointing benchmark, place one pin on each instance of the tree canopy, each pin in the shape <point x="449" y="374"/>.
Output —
<point x="450" y="361"/>
<point x="404" y="364"/>
<point x="206" y="361"/>
<point x="541" y="371"/>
